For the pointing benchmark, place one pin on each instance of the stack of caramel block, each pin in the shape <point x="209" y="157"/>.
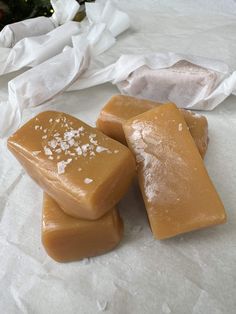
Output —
<point x="85" y="171"/>
<point x="84" y="174"/>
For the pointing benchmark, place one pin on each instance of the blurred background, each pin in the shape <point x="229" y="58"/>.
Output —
<point x="12" y="11"/>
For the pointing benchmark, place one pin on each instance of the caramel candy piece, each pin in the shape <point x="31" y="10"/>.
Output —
<point x="66" y="238"/>
<point x="178" y="193"/>
<point x="198" y="128"/>
<point x="85" y="171"/>
<point x="121" y="108"/>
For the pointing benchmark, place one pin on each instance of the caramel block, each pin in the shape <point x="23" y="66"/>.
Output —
<point x="178" y="193"/>
<point x="85" y="171"/>
<point x="66" y="238"/>
<point x="121" y="108"/>
<point x="198" y="128"/>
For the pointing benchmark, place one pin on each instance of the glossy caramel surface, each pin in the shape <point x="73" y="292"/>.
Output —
<point x="121" y="108"/>
<point x="85" y="171"/>
<point x="69" y="239"/>
<point x="178" y="193"/>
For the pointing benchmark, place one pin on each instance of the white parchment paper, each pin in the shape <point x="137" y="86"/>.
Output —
<point x="193" y="273"/>
<point x="64" y="11"/>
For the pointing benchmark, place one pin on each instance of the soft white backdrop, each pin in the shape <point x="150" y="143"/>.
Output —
<point x="193" y="273"/>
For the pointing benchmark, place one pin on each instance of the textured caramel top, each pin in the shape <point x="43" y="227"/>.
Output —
<point x="121" y="108"/>
<point x="74" y="163"/>
<point x="56" y="137"/>
<point x="177" y="191"/>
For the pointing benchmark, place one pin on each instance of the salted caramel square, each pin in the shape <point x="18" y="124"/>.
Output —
<point x="178" y="193"/>
<point x="85" y="171"/>
<point x="121" y="108"/>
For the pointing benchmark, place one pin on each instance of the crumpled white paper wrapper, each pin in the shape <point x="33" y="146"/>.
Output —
<point x="64" y="11"/>
<point x="32" y="51"/>
<point x="33" y="42"/>
<point x="56" y="74"/>
<point x="194" y="273"/>
<point x="190" y="82"/>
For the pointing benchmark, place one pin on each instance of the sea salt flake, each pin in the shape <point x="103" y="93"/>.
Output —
<point x="36" y="127"/>
<point x="56" y="134"/>
<point x="100" y="149"/>
<point x="79" y="169"/>
<point x="71" y="142"/>
<point x="92" y="135"/>
<point x="88" y="180"/>
<point x="45" y="130"/>
<point x="50" y="157"/>
<point x="102" y="305"/>
<point x="79" y="150"/>
<point x="116" y="151"/>
<point x="52" y="144"/>
<point x="58" y="151"/>
<point x="44" y="137"/>
<point x="57" y="120"/>
<point x="35" y="153"/>
<point x="69" y="135"/>
<point x="64" y="146"/>
<point x="62" y="165"/>
<point x="47" y="151"/>
<point x="92" y="141"/>
<point x="50" y="120"/>
<point x="180" y="127"/>
<point x="85" y="148"/>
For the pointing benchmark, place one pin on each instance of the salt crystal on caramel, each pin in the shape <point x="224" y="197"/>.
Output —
<point x="178" y="193"/>
<point x="85" y="171"/>
<point x="121" y="108"/>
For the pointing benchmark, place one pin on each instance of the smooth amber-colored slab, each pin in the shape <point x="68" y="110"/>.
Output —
<point x="66" y="238"/>
<point x="121" y="108"/>
<point x="178" y="193"/>
<point x="85" y="171"/>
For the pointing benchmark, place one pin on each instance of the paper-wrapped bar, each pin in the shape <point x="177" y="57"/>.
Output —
<point x="121" y="108"/>
<point x="85" y="171"/>
<point x="66" y="238"/>
<point x="178" y="193"/>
